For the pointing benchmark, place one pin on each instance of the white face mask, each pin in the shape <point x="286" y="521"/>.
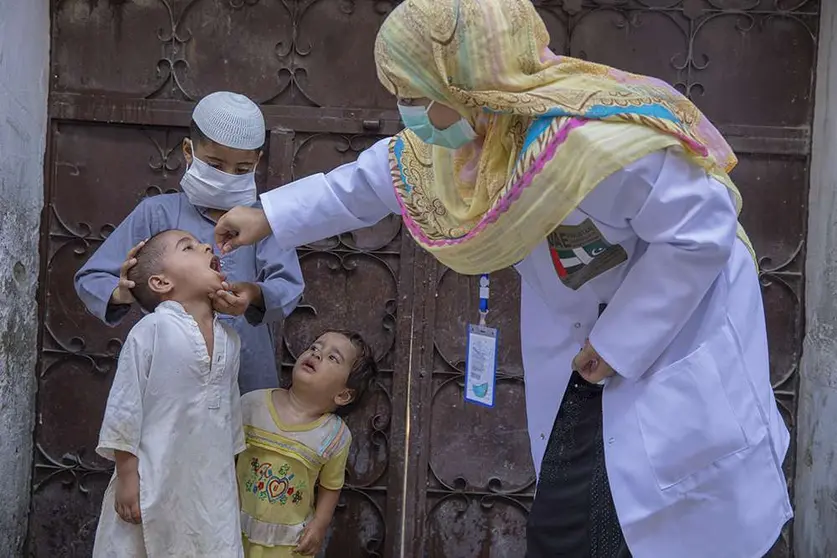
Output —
<point x="206" y="186"/>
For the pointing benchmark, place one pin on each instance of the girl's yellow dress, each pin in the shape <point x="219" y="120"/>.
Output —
<point x="278" y="470"/>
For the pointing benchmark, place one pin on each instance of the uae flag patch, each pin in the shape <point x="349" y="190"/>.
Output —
<point x="581" y="253"/>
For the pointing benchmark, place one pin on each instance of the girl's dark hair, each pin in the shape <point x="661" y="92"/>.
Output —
<point x="364" y="369"/>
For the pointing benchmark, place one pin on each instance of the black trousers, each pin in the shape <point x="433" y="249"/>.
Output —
<point x="573" y="514"/>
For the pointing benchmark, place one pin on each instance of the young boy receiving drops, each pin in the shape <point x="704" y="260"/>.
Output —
<point x="294" y="440"/>
<point x="173" y="417"/>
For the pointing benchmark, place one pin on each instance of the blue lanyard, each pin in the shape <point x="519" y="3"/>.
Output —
<point x="484" y="283"/>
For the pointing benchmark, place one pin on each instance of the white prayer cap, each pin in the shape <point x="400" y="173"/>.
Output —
<point x="231" y="120"/>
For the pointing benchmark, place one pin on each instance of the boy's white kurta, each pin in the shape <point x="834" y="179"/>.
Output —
<point x="180" y="415"/>
<point x="694" y="441"/>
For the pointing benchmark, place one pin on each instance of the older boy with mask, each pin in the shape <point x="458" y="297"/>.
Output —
<point x="226" y="138"/>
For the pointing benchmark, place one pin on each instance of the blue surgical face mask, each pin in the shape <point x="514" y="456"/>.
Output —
<point x="453" y="137"/>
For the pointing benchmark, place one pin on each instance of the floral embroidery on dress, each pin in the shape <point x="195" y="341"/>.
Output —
<point x="274" y="485"/>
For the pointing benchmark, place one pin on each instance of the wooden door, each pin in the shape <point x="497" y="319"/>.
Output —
<point x="428" y="476"/>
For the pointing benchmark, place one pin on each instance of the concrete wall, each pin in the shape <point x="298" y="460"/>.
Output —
<point x="815" y="529"/>
<point x="24" y="66"/>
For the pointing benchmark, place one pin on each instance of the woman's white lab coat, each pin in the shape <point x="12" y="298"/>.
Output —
<point x="694" y="441"/>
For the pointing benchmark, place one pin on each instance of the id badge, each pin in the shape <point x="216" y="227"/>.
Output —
<point x="481" y="365"/>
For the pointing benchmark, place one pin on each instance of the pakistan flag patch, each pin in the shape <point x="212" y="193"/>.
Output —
<point x="580" y="253"/>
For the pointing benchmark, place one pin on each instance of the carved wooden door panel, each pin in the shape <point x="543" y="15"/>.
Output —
<point x="428" y="475"/>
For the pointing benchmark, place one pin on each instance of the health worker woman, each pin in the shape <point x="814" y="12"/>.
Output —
<point x="653" y="426"/>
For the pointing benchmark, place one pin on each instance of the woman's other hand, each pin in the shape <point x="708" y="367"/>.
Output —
<point x="591" y="365"/>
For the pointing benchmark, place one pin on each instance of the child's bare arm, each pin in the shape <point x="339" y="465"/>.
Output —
<point x="326" y="504"/>
<point x="127" y="487"/>
<point x="311" y="541"/>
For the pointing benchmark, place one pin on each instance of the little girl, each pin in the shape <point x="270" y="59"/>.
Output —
<point x="295" y="440"/>
<point x="173" y="417"/>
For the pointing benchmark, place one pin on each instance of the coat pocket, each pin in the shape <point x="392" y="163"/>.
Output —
<point x="686" y="419"/>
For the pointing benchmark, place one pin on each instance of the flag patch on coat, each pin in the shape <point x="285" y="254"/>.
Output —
<point x="581" y="253"/>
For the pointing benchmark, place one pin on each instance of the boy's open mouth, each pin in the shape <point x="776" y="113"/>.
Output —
<point x="308" y="366"/>
<point x="215" y="264"/>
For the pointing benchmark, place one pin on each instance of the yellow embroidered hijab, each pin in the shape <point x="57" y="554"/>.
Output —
<point x="550" y="128"/>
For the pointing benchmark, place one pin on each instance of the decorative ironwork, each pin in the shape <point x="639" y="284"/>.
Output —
<point x="372" y="545"/>
<point x="453" y="498"/>
<point x="292" y="52"/>
<point x="238" y="4"/>
<point x="790" y="279"/>
<point x="71" y="469"/>
<point x="788" y="275"/>
<point x="174" y="41"/>
<point x="168" y="159"/>
<point x="379" y="240"/>
<point x="55" y="352"/>
<point x="173" y="66"/>
<point x="82" y="238"/>
<point x="690" y="17"/>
